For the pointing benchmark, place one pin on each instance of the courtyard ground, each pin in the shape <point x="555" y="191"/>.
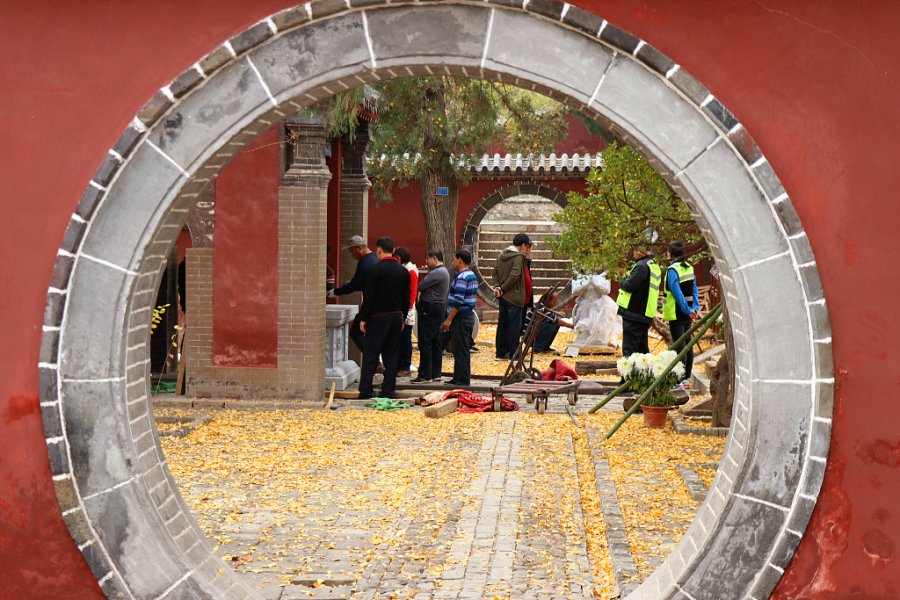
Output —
<point x="357" y="503"/>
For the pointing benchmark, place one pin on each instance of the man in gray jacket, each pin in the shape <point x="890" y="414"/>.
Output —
<point x="509" y="288"/>
<point x="432" y="310"/>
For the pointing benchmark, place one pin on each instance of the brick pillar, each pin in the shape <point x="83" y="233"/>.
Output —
<point x="201" y="380"/>
<point x="354" y="201"/>
<point x="201" y="221"/>
<point x="354" y="214"/>
<point x="302" y="198"/>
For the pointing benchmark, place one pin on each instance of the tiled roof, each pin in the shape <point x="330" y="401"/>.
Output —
<point x="540" y="164"/>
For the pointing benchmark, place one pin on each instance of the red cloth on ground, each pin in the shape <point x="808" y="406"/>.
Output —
<point x="559" y="371"/>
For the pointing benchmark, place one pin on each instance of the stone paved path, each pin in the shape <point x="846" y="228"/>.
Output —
<point x="487" y="509"/>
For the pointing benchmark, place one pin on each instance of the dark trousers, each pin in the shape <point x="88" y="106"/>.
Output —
<point x="405" y="360"/>
<point x="546" y="335"/>
<point x="509" y="328"/>
<point x="461" y="328"/>
<point x="383" y="335"/>
<point x="678" y="327"/>
<point x="634" y="337"/>
<point x="431" y="315"/>
<point x="356" y="333"/>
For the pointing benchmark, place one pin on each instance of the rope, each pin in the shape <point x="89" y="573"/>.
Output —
<point x="470" y="402"/>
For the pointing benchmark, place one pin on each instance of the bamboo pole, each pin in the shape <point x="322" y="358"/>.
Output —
<point x="704" y="319"/>
<point x="659" y="379"/>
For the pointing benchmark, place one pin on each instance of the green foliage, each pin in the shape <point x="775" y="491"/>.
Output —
<point x="626" y="204"/>
<point x="438" y="123"/>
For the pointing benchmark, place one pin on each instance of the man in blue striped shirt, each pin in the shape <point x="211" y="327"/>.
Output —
<point x="461" y="318"/>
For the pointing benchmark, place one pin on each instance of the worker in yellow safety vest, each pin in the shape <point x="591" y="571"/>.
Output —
<point x="682" y="305"/>
<point x="637" y="300"/>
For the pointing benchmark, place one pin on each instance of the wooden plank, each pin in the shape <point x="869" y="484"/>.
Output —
<point x="588" y="367"/>
<point x="330" y="397"/>
<point x="179" y="384"/>
<point x="612" y="371"/>
<point x="347" y="394"/>
<point x="442" y="409"/>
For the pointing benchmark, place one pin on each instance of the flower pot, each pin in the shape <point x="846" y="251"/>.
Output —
<point x="655" y="416"/>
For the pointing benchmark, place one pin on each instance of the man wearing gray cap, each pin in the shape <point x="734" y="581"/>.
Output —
<point x="366" y="259"/>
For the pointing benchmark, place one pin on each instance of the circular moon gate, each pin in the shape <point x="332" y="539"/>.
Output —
<point x="117" y="496"/>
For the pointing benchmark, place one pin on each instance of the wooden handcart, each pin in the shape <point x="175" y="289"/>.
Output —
<point x="517" y="370"/>
<point x="537" y="391"/>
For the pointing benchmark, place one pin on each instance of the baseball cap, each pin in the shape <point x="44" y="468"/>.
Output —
<point x="355" y="240"/>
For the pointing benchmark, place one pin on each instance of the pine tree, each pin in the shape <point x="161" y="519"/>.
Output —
<point x="431" y="129"/>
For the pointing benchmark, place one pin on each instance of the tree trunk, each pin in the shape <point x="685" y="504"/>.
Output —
<point x="439" y="211"/>
<point x="721" y="382"/>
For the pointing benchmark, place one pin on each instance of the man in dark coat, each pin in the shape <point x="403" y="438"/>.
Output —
<point x="384" y="308"/>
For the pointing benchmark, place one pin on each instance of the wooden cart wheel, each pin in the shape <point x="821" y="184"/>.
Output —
<point x="518" y="377"/>
<point x="534" y="373"/>
<point x="529" y="398"/>
<point x="573" y="398"/>
<point x="496" y="406"/>
<point x="540" y="404"/>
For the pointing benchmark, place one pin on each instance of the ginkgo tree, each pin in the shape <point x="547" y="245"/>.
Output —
<point x="627" y="204"/>
<point x="431" y="130"/>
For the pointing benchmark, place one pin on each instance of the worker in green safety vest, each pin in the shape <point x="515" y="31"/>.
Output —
<point x="637" y="300"/>
<point x="682" y="305"/>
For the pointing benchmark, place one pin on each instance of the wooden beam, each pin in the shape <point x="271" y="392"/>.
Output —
<point x="589" y="367"/>
<point x="442" y="409"/>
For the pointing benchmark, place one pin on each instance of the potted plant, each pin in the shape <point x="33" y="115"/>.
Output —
<point x="641" y="370"/>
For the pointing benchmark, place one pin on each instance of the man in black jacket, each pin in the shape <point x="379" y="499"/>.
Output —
<point x="384" y="308"/>
<point x="637" y="300"/>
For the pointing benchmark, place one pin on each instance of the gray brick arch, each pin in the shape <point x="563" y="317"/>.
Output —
<point x="469" y="237"/>
<point x="115" y="492"/>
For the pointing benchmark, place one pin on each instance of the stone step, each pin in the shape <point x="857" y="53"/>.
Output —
<point x="515" y="227"/>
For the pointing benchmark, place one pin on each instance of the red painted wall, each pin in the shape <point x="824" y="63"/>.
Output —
<point x="245" y="258"/>
<point x="816" y="83"/>
<point x="402" y="218"/>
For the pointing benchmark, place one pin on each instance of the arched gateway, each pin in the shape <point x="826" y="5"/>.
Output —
<point x="117" y="496"/>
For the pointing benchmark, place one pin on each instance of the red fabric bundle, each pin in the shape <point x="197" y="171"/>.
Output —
<point x="559" y="371"/>
<point x="470" y="402"/>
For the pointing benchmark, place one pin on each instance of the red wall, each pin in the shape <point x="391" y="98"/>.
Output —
<point x="816" y="83"/>
<point x="402" y="218"/>
<point x="245" y="258"/>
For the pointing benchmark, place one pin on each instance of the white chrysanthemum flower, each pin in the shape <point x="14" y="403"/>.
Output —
<point x="668" y="355"/>
<point x="679" y="370"/>
<point x="658" y="367"/>
<point x="642" y="362"/>
<point x="625" y="366"/>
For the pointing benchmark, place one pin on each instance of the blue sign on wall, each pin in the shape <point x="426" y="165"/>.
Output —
<point x="443" y="191"/>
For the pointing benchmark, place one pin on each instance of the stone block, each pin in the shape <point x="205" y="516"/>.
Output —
<point x="583" y="20"/>
<point x="789" y="218"/>
<point x="250" y="37"/>
<point x="511" y="46"/>
<point x="215" y="59"/>
<point x="72" y="237"/>
<point x="120" y="226"/>
<point x="300" y="55"/>
<point x="97" y="433"/>
<point x="769" y="180"/>
<point x="91" y="344"/>
<point x="655" y="59"/>
<point x="720" y="115"/>
<point x="824" y="399"/>
<point x="188" y="132"/>
<point x="739" y="548"/>
<point x="128" y="141"/>
<point x="777" y="319"/>
<point x="290" y="17"/>
<point x="630" y="94"/>
<point x="133" y="538"/>
<point x="812" y="284"/>
<point x="690" y="87"/>
<point x="744" y="144"/>
<point x="820" y="439"/>
<point x="185" y="82"/>
<point x="745" y="218"/>
<point x="151" y="111"/>
<point x="778" y="445"/>
<point x="546" y="8"/>
<point x="620" y="39"/>
<point x="442" y="31"/>
<point x="107" y="169"/>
